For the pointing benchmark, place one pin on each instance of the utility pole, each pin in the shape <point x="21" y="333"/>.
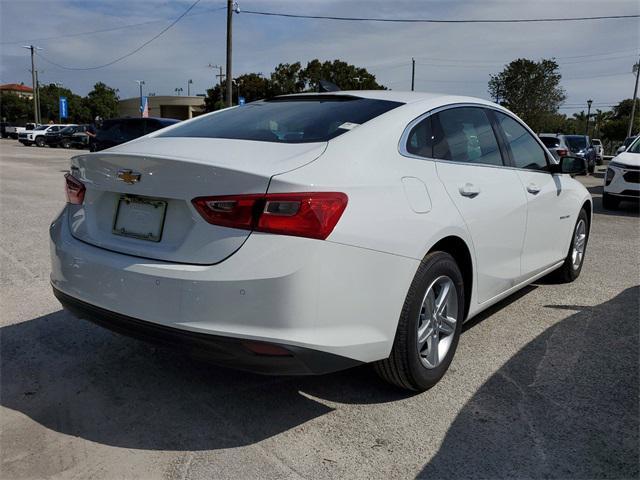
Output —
<point x="636" y="67"/>
<point x="37" y="95"/>
<point x="229" y="42"/>
<point x="589" y="102"/>
<point x="413" y="73"/>
<point x="140" y="84"/>
<point x="34" y="82"/>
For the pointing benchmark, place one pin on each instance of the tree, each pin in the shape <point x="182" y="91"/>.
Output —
<point x="529" y="89"/>
<point x="50" y="105"/>
<point x="342" y="74"/>
<point x="290" y="78"/>
<point x="102" y="101"/>
<point x="15" y="109"/>
<point x="287" y="78"/>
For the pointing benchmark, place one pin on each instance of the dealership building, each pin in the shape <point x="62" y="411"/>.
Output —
<point x="165" y="106"/>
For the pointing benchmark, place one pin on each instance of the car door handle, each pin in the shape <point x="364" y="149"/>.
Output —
<point x="533" y="188"/>
<point x="469" y="190"/>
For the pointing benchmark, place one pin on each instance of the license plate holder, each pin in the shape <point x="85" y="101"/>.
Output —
<point x="140" y="217"/>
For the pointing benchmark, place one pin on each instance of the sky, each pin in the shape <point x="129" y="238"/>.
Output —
<point x="595" y="57"/>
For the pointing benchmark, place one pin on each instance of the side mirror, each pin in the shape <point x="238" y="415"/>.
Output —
<point x="622" y="148"/>
<point x="573" y="165"/>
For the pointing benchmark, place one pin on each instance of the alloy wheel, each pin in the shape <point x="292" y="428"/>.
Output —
<point x="579" y="242"/>
<point x="437" y="321"/>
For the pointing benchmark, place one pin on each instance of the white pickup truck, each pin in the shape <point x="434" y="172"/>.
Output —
<point x="37" y="135"/>
<point x="14" y="132"/>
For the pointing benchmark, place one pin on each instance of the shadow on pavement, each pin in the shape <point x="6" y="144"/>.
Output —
<point x="566" y="406"/>
<point x="79" y="379"/>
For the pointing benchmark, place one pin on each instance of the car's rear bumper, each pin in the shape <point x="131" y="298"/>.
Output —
<point x="312" y="294"/>
<point x="226" y="351"/>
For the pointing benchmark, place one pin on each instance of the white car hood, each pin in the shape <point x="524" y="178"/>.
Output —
<point x="627" y="158"/>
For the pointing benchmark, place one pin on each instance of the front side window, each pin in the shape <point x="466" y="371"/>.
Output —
<point x="465" y="135"/>
<point x="295" y="119"/>
<point x="526" y="152"/>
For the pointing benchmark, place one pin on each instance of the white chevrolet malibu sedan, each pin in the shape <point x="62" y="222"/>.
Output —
<point x="310" y="233"/>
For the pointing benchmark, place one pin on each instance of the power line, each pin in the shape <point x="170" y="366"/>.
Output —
<point x="131" y="52"/>
<point x="430" y="20"/>
<point x="105" y="30"/>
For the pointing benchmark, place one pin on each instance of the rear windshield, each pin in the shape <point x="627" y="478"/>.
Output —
<point x="303" y="119"/>
<point x="550" y="142"/>
<point x="576" y="142"/>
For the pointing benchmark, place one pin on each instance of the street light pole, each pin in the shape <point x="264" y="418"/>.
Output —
<point x="589" y="102"/>
<point x="636" y="67"/>
<point x="230" y="9"/>
<point x="189" y="87"/>
<point x="140" y="84"/>
<point x="413" y="73"/>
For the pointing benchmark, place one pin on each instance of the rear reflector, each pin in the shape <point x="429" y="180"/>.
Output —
<point x="310" y="214"/>
<point x="74" y="189"/>
<point x="267" y="349"/>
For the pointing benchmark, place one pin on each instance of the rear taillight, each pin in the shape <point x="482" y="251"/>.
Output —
<point x="310" y="214"/>
<point x="562" y="152"/>
<point x="74" y="189"/>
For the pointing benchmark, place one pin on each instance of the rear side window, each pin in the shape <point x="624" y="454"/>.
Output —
<point x="550" y="142"/>
<point x="526" y="152"/>
<point x="465" y="135"/>
<point x="420" y="141"/>
<point x="302" y="119"/>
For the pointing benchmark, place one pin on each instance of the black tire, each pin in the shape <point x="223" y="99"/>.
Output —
<point x="591" y="169"/>
<point x="404" y="367"/>
<point x="40" y="141"/>
<point x="568" y="272"/>
<point x="66" y="144"/>
<point x="610" y="202"/>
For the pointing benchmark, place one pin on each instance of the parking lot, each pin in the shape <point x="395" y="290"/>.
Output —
<point x="545" y="384"/>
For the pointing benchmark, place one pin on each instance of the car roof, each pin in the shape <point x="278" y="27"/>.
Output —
<point x="396" y="96"/>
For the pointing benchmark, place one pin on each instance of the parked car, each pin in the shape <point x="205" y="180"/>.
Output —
<point x="622" y="181"/>
<point x="37" y="135"/>
<point x="121" y="130"/>
<point x="575" y="145"/>
<point x="310" y="233"/>
<point x="64" y="136"/>
<point x="627" y="141"/>
<point x="554" y="145"/>
<point x="15" y="131"/>
<point x="597" y="144"/>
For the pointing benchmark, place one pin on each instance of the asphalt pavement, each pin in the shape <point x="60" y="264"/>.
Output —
<point x="543" y="385"/>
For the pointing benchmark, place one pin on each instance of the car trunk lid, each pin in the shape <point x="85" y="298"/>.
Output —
<point x="138" y="195"/>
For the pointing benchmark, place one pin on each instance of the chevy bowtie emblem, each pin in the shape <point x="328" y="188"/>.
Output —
<point x="129" y="176"/>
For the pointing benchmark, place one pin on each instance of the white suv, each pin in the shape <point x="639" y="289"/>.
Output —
<point x="37" y="135"/>
<point x="622" y="181"/>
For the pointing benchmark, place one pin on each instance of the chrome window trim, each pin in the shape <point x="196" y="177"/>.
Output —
<point x="404" y="138"/>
